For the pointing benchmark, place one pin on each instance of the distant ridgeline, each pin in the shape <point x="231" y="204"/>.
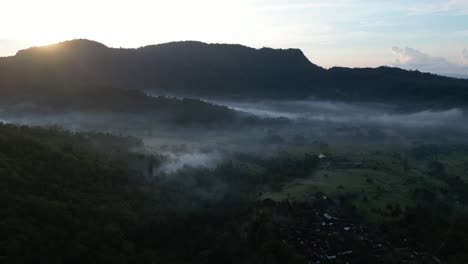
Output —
<point x="216" y="70"/>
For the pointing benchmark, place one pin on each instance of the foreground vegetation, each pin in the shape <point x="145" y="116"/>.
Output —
<point x="88" y="197"/>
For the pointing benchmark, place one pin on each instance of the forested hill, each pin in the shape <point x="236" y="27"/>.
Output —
<point x="179" y="67"/>
<point x="217" y="70"/>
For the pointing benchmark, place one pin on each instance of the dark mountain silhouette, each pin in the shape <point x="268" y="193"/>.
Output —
<point x="215" y="70"/>
<point x="395" y="85"/>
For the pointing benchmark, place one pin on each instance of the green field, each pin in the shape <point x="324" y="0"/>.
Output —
<point x="376" y="179"/>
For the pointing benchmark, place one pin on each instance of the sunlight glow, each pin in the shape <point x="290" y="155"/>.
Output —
<point x="332" y="32"/>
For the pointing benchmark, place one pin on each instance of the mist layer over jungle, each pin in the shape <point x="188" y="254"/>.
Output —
<point x="189" y="152"/>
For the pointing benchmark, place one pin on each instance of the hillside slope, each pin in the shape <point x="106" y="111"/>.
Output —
<point x="217" y="70"/>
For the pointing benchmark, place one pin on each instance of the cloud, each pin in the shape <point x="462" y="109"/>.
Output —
<point x="464" y="56"/>
<point x="456" y="7"/>
<point x="412" y="59"/>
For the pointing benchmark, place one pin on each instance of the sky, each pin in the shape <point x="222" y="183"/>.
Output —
<point x="428" y="35"/>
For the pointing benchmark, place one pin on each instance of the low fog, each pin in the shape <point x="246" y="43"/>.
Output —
<point x="379" y="115"/>
<point x="292" y="125"/>
<point x="177" y="161"/>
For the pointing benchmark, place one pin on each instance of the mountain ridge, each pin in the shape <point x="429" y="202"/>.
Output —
<point x="197" y="69"/>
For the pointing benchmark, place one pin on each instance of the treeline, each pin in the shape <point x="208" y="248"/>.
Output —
<point x="51" y="101"/>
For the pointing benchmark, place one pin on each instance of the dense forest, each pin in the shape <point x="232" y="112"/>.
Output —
<point x="93" y="197"/>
